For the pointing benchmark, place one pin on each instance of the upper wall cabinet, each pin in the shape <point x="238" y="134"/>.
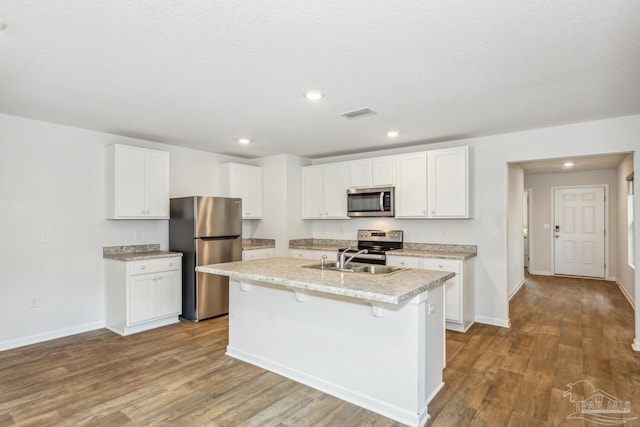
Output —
<point x="371" y="172"/>
<point x="245" y="182"/>
<point x="324" y="191"/>
<point x="448" y="183"/>
<point x="411" y="185"/>
<point x="433" y="184"/>
<point x="137" y="183"/>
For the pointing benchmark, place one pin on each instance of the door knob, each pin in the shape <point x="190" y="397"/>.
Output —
<point x="557" y="236"/>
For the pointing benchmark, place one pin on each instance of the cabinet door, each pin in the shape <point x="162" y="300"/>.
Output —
<point x="312" y="204"/>
<point x="130" y="178"/>
<point x="403" y="261"/>
<point x="411" y="185"/>
<point x="453" y="288"/>
<point x="142" y="298"/>
<point x="253" y="192"/>
<point x="257" y="254"/>
<point x="168" y="293"/>
<point x="382" y="171"/>
<point x="448" y="183"/>
<point x="360" y="174"/>
<point x="156" y="179"/>
<point x="335" y="190"/>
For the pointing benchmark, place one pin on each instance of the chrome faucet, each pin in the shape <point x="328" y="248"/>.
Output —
<point x="343" y="263"/>
<point x="324" y="257"/>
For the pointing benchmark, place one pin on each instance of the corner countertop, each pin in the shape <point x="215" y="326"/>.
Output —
<point x="137" y="252"/>
<point x="394" y="288"/>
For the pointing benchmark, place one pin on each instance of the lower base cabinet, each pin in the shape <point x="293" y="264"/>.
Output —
<point x="313" y="254"/>
<point x="458" y="299"/>
<point x="249" y="254"/>
<point x="142" y="295"/>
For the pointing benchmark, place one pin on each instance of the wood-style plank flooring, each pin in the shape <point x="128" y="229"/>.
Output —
<point x="563" y="330"/>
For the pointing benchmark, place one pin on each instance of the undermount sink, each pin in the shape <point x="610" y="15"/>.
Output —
<point x="356" y="267"/>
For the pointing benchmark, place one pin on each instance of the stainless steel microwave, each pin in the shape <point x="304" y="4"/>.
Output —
<point x="363" y="202"/>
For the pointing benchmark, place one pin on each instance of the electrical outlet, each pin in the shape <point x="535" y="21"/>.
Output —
<point x="35" y="302"/>
<point x="138" y="235"/>
<point x="45" y="237"/>
<point x="432" y="308"/>
<point x="443" y="233"/>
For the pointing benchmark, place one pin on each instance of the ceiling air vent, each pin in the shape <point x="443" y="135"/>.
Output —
<point x="358" y="113"/>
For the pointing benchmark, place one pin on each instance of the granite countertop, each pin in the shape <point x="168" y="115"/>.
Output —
<point x="425" y="253"/>
<point x="394" y="288"/>
<point x="137" y="252"/>
<point x="252" y="244"/>
<point x="422" y="250"/>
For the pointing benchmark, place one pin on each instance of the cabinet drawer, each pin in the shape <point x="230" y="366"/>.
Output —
<point x="155" y="265"/>
<point x="404" y="261"/>
<point x="442" y="264"/>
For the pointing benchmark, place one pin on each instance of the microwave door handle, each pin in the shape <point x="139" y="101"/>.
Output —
<point x="382" y="201"/>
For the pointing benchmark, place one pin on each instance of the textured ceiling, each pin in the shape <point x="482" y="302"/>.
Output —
<point x="203" y="73"/>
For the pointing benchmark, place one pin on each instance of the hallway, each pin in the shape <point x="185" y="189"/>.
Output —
<point x="562" y="330"/>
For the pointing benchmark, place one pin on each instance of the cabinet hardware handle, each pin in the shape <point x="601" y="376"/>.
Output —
<point x="142" y="211"/>
<point x="440" y="265"/>
<point x="170" y="264"/>
<point x="142" y="267"/>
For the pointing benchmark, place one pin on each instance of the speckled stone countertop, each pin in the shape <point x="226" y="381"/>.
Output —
<point x="251" y="244"/>
<point x="136" y="252"/>
<point x="394" y="288"/>
<point x="321" y="244"/>
<point x="422" y="250"/>
<point x="436" y="250"/>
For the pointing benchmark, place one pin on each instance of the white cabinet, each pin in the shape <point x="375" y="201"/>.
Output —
<point x="137" y="183"/>
<point x="433" y="184"/>
<point x="459" y="295"/>
<point x="374" y="172"/>
<point x="245" y="182"/>
<point x="313" y="254"/>
<point x="142" y="295"/>
<point x="448" y="183"/>
<point x="411" y="185"/>
<point x="324" y="191"/>
<point x="250" y="254"/>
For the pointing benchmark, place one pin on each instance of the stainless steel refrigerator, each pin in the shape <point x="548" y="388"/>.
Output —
<point x="207" y="230"/>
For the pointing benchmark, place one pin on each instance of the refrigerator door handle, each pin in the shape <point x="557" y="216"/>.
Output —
<point x="219" y="237"/>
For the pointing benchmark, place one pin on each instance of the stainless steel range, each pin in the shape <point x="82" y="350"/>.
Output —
<point x="373" y="245"/>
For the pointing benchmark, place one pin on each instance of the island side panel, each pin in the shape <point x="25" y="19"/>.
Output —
<point x="390" y="364"/>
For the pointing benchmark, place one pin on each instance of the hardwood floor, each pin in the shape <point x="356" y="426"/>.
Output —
<point x="563" y="330"/>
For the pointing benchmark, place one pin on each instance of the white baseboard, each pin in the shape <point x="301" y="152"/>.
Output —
<point x="50" y="335"/>
<point x="515" y="291"/>
<point x="494" y="321"/>
<point x="626" y="294"/>
<point x="636" y="345"/>
<point x="540" y="273"/>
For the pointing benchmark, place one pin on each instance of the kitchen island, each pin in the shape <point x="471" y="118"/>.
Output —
<point x="373" y="340"/>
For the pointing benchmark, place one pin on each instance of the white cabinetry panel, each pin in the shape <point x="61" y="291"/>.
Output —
<point x="137" y="183"/>
<point x="244" y="182"/>
<point x="324" y="191"/>
<point x="459" y="292"/>
<point x="142" y="295"/>
<point x="448" y="183"/>
<point x="411" y="185"/>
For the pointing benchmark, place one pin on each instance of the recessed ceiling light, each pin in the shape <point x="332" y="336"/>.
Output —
<point x="244" y="141"/>
<point x="313" y="95"/>
<point x="568" y="164"/>
<point x="393" y="133"/>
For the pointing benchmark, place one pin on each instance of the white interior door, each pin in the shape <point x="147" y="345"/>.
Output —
<point x="579" y="231"/>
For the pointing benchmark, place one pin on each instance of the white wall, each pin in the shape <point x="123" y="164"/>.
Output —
<point x="624" y="272"/>
<point x="515" y="235"/>
<point x="542" y="261"/>
<point x="281" y="219"/>
<point x="488" y="228"/>
<point x="52" y="179"/>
